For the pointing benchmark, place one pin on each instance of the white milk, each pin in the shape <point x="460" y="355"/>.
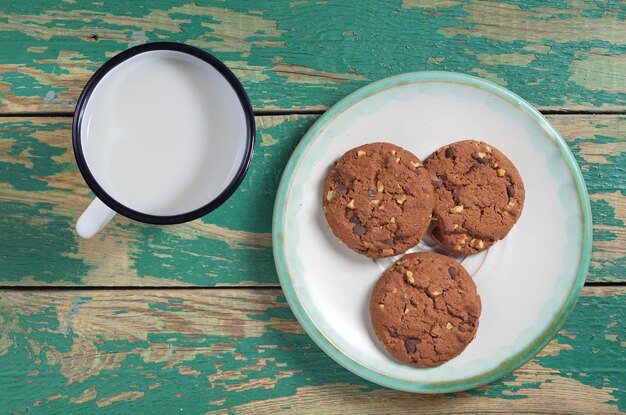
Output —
<point x="163" y="133"/>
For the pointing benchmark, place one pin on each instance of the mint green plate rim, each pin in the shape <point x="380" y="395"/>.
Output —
<point x="278" y="237"/>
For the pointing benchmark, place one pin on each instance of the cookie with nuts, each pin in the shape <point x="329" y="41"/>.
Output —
<point x="480" y="196"/>
<point x="425" y="309"/>
<point x="378" y="199"/>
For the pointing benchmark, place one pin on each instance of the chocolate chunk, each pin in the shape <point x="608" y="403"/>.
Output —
<point x="453" y="272"/>
<point x="437" y="183"/>
<point x="359" y="229"/>
<point x="390" y="242"/>
<point x="372" y="192"/>
<point x="341" y="189"/>
<point x="510" y="190"/>
<point x="411" y="344"/>
<point x="462" y="329"/>
<point x="393" y="333"/>
<point x="471" y="319"/>
<point x="450" y="153"/>
<point x="483" y="160"/>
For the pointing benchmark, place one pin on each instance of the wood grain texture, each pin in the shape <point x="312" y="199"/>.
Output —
<point x="292" y="54"/>
<point x="42" y="194"/>
<point x="240" y="350"/>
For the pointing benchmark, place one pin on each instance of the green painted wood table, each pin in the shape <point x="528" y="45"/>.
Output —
<point x="190" y="318"/>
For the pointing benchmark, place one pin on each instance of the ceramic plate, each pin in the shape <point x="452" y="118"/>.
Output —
<point x="528" y="282"/>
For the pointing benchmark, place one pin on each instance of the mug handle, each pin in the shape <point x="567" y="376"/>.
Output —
<point x="94" y="218"/>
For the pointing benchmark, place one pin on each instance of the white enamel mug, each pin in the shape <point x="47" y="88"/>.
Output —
<point x="163" y="133"/>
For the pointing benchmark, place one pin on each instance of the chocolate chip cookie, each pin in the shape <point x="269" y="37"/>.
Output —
<point x="425" y="309"/>
<point x="378" y="199"/>
<point x="480" y="196"/>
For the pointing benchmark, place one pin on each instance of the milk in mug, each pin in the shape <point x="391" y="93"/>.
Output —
<point x="163" y="133"/>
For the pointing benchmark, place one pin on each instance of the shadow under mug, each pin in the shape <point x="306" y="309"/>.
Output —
<point x="198" y="185"/>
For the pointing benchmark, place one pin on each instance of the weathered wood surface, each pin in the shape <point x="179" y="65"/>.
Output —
<point x="303" y="54"/>
<point x="42" y="194"/>
<point x="241" y="350"/>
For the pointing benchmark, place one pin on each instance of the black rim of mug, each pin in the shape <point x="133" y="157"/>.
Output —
<point x="84" y="99"/>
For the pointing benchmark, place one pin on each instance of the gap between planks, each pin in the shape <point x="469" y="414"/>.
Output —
<point x="190" y="288"/>
<point x="261" y="113"/>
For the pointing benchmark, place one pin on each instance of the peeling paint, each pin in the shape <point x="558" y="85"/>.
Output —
<point x="307" y="55"/>
<point x="44" y="194"/>
<point x="219" y="349"/>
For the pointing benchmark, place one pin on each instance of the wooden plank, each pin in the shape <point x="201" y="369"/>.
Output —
<point x="241" y="351"/>
<point x="600" y="149"/>
<point x="42" y="194"/>
<point x="306" y="55"/>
